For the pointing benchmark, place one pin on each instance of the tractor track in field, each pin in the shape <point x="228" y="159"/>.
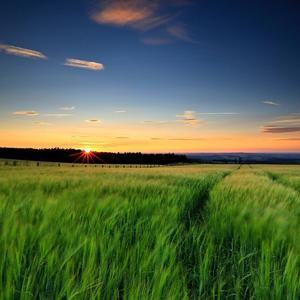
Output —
<point x="277" y="179"/>
<point x="194" y="211"/>
<point x="194" y="216"/>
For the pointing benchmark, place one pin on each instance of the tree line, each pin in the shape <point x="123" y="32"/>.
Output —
<point x="78" y="156"/>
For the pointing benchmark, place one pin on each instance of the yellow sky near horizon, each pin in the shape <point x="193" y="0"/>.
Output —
<point x="141" y="140"/>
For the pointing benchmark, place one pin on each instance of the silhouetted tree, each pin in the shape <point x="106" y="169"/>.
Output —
<point x="71" y="155"/>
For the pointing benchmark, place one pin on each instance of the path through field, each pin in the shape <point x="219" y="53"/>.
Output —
<point x="185" y="232"/>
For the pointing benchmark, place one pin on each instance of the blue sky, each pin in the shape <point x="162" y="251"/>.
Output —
<point x="210" y="70"/>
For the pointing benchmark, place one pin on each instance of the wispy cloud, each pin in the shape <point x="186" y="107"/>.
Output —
<point x="29" y="113"/>
<point x="57" y="115"/>
<point x="284" y="124"/>
<point x="120" y="111"/>
<point x="268" y="102"/>
<point x="83" y="64"/>
<point x="180" y="32"/>
<point x="93" y="121"/>
<point x="218" y="113"/>
<point x="290" y="139"/>
<point x="138" y="14"/>
<point x="188" y="118"/>
<point x="280" y="129"/>
<point x="67" y="108"/>
<point x="122" y="137"/>
<point x="145" y="15"/>
<point x="157" y="41"/>
<point x="176" y="139"/>
<point x="90" y="143"/>
<point x="153" y="22"/>
<point x="83" y="136"/>
<point x="13" y="50"/>
<point x="180" y="2"/>
<point x="40" y="123"/>
<point x="185" y="139"/>
<point x="155" y="122"/>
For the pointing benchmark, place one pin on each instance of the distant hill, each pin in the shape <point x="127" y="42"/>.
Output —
<point x="253" y="158"/>
<point x="78" y="156"/>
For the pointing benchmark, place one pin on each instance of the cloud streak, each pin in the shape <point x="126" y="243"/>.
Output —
<point x="83" y="64"/>
<point x="155" y="122"/>
<point x="93" y="121"/>
<point x="67" y="108"/>
<point x="29" y="113"/>
<point x="23" y="52"/>
<point x="188" y="118"/>
<point x="268" y="102"/>
<point x="121" y="111"/>
<point x="40" y="123"/>
<point x="290" y="139"/>
<point x="280" y="129"/>
<point x="218" y="113"/>
<point x="285" y="124"/>
<point x="57" y="115"/>
<point x="156" y="41"/>
<point x="176" y="139"/>
<point x="180" y="32"/>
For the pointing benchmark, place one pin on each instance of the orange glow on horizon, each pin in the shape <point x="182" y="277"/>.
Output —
<point x="139" y="140"/>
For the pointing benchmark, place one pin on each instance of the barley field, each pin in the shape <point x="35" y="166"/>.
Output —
<point x="177" y="232"/>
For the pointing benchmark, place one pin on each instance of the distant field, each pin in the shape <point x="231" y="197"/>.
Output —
<point x="180" y="232"/>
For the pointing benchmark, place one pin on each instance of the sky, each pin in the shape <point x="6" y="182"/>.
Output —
<point x="151" y="76"/>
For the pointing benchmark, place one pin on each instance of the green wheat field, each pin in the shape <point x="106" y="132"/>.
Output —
<point x="177" y="232"/>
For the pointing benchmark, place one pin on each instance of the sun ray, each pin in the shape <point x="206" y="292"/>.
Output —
<point x="86" y="156"/>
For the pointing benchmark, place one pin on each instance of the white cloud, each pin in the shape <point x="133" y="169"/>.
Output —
<point x="120" y="111"/>
<point x="13" y="50"/>
<point x="268" y="102"/>
<point x="155" y="122"/>
<point x="57" y="115"/>
<point x="83" y="64"/>
<point x="67" y="108"/>
<point x="42" y="123"/>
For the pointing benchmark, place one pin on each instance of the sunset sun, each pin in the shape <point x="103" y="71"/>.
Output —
<point x="87" y="150"/>
<point x="86" y="155"/>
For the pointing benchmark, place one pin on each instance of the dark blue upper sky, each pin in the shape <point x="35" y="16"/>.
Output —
<point x="161" y="59"/>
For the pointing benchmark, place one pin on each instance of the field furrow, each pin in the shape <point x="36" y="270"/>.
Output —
<point x="251" y="230"/>
<point x="289" y="180"/>
<point x="192" y="237"/>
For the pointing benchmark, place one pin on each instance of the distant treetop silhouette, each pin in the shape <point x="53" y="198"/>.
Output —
<point x="80" y="156"/>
